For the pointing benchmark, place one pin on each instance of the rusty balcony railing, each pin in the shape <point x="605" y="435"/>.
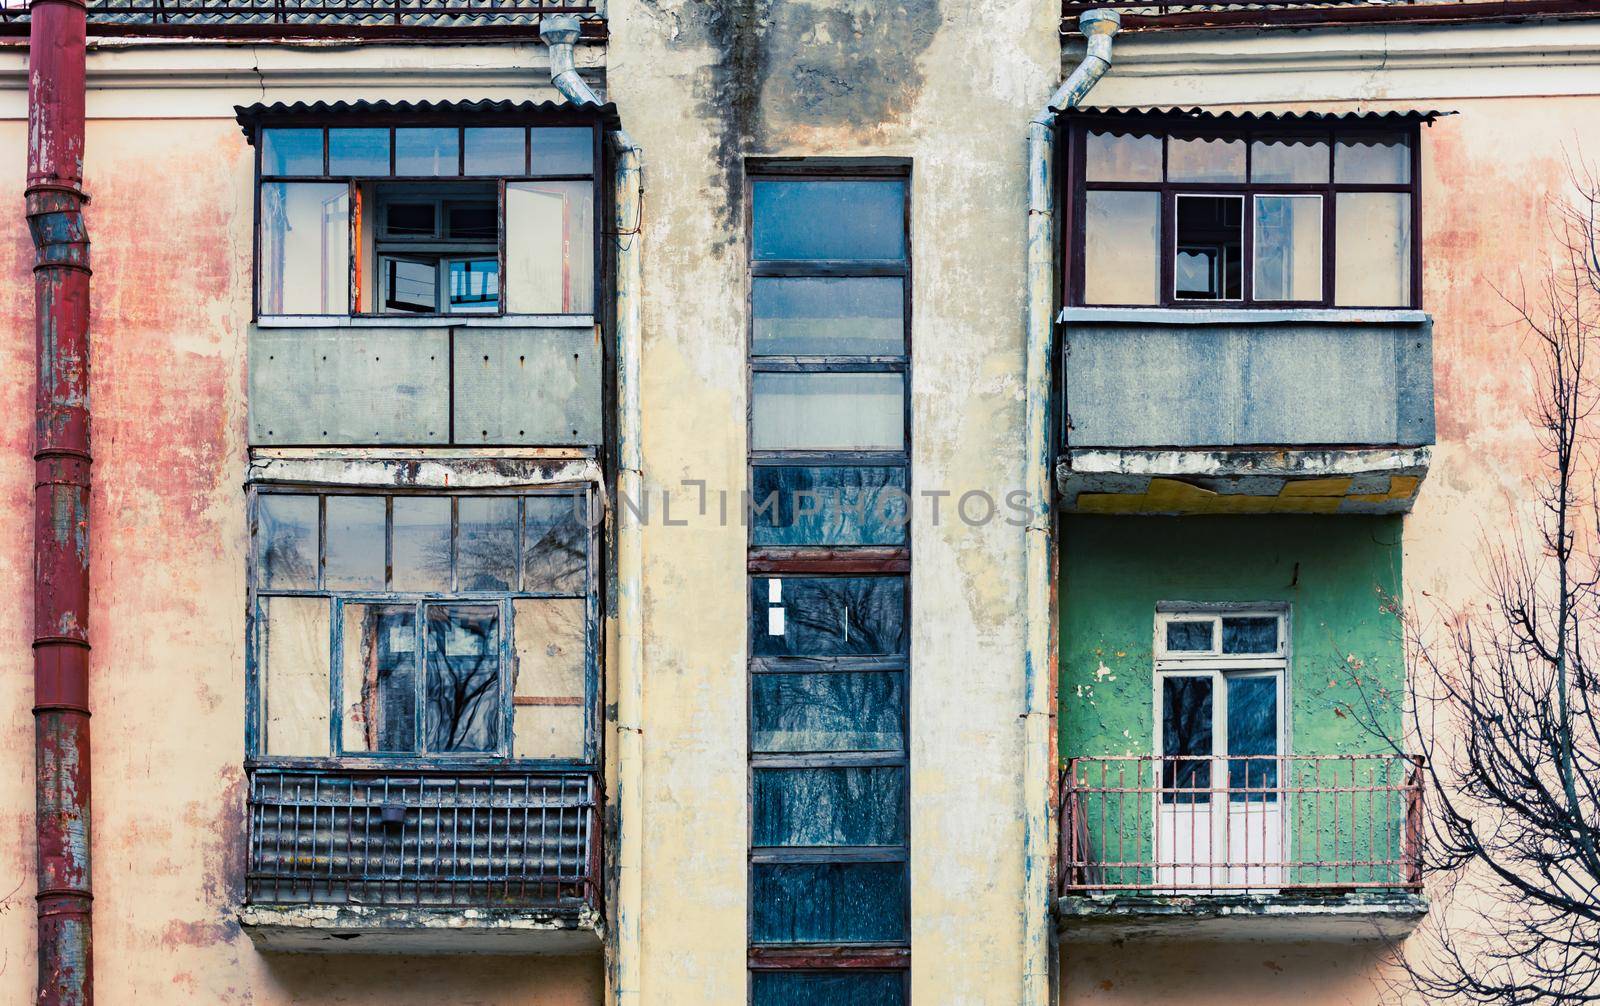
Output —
<point x="436" y="838"/>
<point x="1244" y="824"/>
<point x="268" y="19"/>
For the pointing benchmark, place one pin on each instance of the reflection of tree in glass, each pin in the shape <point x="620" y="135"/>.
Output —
<point x="832" y="616"/>
<point x="831" y="712"/>
<point x="463" y="682"/>
<point x="288" y="550"/>
<point x="555" y="553"/>
<point x="486" y="546"/>
<point x="387" y="712"/>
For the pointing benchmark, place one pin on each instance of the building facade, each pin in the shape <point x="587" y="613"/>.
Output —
<point x="775" y="503"/>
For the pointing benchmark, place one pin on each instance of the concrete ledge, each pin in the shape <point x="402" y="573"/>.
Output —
<point x="1288" y="916"/>
<point x="361" y="929"/>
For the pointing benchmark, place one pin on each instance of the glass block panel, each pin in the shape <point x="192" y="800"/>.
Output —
<point x="1189" y="636"/>
<point x="813" y="807"/>
<point x="358" y="152"/>
<point x="828" y="903"/>
<point x="304" y="258"/>
<point x="286" y="541"/>
<point x="421" y="543"/>
<point x="429" y="153"/>
<point x="1122" y="157"/>
<point x="496" y="150"/>
<point x="1252" y="634"/>
<point x="1373" y="160"/>
<point x="356" y="546"/>
<point x="486" y="543"/>
<point x="828" y="411"/>
<point x="562" y="151"/>
<point x="291" y="151"/>
<point x="555" y="545"/>
<point x="380" y="677"/>
<point x="828" y="316"/>
<point x="1122" y="248"/>
<point x="1372" y="242"/>
<point x="548" y="699"/>
<point x="296" y="693"/>
<point x="463" y="683"/>
<point x="834" y="988"/>
<point x="828" y="505"/>
<point x="550" y="247"/>
<point x="844" y="219"/>
<point x="1291" y="159"/>
<point x="829" y="711"/>
<point x="1288" y="248"/>
<point x="827" y="616"/>
<point x="1205" y="160"/>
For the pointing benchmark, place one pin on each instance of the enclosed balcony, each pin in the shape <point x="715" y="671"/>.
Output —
<point x="1292" y="847"/>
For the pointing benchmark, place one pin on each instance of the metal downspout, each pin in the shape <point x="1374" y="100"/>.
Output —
<point x="1038" y="549"/>
<point x="54" y="208"/>
<point x="560" y="33"/>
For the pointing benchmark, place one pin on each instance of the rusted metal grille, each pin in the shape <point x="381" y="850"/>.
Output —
<point x="294" y="18"/>
<point x="1146" y="16"/>
<point x="1241" y="824"/>
<point x="480" y="839"/>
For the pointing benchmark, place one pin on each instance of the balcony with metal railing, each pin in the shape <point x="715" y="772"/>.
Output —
<point x="1279" y="847"/>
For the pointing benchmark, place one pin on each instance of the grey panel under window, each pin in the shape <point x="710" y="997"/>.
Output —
<point x="827" y="616"/>
<point x="356" y="548"/>
<point x="839" y="988"/>
<point x="828" y="505"/>
<point x="286" y="541"/>
<point x="538" y="387"/>
<point x="828" y="711"/>
<point x="555" y="544"/>
<point x="486" y="543"/>
<point x="828" y="903"/>
<point x="815" y="807"/>
<point x="828" y="316"/>
<point x="463" y="683"/>
<point x="828" y="411"/>
<point x="829" y="219"/>
<point x="421" y="543"/>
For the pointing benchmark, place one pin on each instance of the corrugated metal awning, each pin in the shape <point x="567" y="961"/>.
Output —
<point x="450" y="113"/>
<point x="1196" y="114"/>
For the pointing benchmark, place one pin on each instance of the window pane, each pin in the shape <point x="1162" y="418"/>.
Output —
<point x="555" y="544"/>
<point x="356" y="552"/>
<point x="813" y="807"/>
<point x="828" y="411"/>
<point x="828" y="903"/>
<point x="1373" y="160"/>
<point x="1122" y="248"/>
<point x="550" y="247"/>
<point x="1254" y="634"/>
<point x="1372" y="241"/>
<point x="421" y="543"/>
<point x="410" y="285"/>
<point x="380" y="677"/>
<point x="305" y="248"/>
<point x="1288" y="248"/>
<point x="562" y="151"/>
<point x="496" y="151"/>
<point x="815" y="316"/>
<point x="828" y="505"/>
<point x="411" y="220"/>
<point x="827" y="616"/>
<point x="1292" y="159"/>
<point x="548" y="698"/>
<point x="428" y="152"/>
<point x="463" y="686"/>
<point x="1189" y="636"/>
<point x="1209" y="264"/>
<point x="291" y="151"/>
<point x="286" y="541"/>
<point x="1203" y="160"/>
<point x="1122" y="157"/>
<point x="1253" y="730"/>
<point x="831" y="711"/>
<point x="474" y="286"/>
<point x="486" y="546"/>
<point x="829" y="219"/>
<point x="295" y="692"/>
<point x="358" y="151"/>
<point x="1186" y="737"/>
<point x="833" y="988"/>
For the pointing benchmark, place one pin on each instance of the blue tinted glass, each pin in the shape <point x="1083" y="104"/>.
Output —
<point x="829" y="219"/>
<point x="463" y="683"/>
<point x="286" y="541"/>
<point x="1252" y="730"/>
<point x="1194" y="637"/>
<point x="486" y="543"/>
<point x="474" y="286"/>
<point x="291" y="151"/>
<point x="828" y="316"/>
<point x="496" y="151"/>
<point x="828" y="806"/>
<point x="555" y="544"/>
<point x="848" y="988"/>
<point x="828" y="903"/>
<point x="829" y="711"/>
<point x="1250" y="635"/>
<point x="827" y="616"/>
<point x="563" y="151"/>
<point x="828" y="505"/>
<point x="358" y="151"/>
<point x="1186" y="737"/>
<point x="427" y="152"/>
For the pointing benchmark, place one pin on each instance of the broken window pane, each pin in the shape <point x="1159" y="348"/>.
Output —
<point x="291" y="151"/>
<point x="828" y="316"/>
<point x="474" y="286"/>
<point x="549" y="698"/>
<point x="831" y="988"/>
<point x="853" y="219"/>
<point x="427" y="152"/>
<point x="295" y="677"/>
<point x="1372" y="160"/>
<point x="828" y="711"/>
<point x="828" y="505"/>
<point x="1372" y="241"/>
<point x="1186" y="744"/>
<point x="1122" y="248"/>
<point x="813" y="807"/>
<point x="550" y="247"/>
<point x="562" y="151"/>
<point x="828" y="411"/>
<point x="421" y="543"/>
<point x="1122" y="157"/>
<point x="1205" y="160"/>
<point x="1253" y="634"/>
<point x="496" y="150"/>
<point x="356" y="552"/>
<point x="358" y="152"/>
<point x="828" y="903"/>
<point x="305" y="248"/>
<point x="463" y="678"/>
<point x="286" y="541"/>
<point x="555" y="545"/>
<point x="1210" y="252"/>
<point x="827" y="616"/>
<point x="486" y="543"/>
<point x="380" y="677"/>
<point x="1292" y="159"/>
<point x="1189" y="636"/>
<point x="1288" y="248"/>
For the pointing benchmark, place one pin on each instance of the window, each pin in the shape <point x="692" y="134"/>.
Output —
<point x="425" y="625"/>
<point x="430" y="221"/>
<point x="1286" y="212"/>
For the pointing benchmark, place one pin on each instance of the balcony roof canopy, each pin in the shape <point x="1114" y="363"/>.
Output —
<point x="1228" y="117"/>
<point x="421" y="113"/>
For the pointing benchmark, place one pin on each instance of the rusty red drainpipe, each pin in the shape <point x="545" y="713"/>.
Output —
<point x="55" y="198"/>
